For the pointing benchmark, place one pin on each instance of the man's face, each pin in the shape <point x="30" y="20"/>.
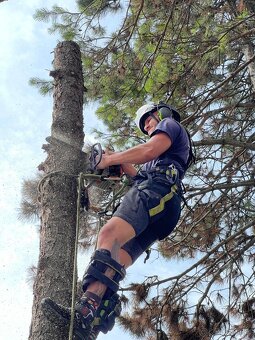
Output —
<point x="151" y="123"/>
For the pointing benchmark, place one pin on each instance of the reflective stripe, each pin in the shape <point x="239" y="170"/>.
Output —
<point x="160" y="207"/>
<point x="171" y="172"/>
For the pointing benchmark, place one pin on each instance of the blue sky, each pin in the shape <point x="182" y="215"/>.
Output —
<point x="25" y="120"/>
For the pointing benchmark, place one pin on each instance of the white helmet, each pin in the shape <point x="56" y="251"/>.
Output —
<point x="147" y="110"/>
<point x="142" y="114"/>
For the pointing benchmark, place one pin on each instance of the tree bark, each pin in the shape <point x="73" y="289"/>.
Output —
<point x="58" y="191"/>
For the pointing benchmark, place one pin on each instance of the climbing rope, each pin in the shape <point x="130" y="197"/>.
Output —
<point x="74" y="284"/>
<point x="115" y="197"/>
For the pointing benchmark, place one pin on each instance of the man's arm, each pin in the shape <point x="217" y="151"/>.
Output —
<point x="129" y="169"/>
<point x="139" y="154"/>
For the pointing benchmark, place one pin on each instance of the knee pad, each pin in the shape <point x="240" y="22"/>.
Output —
<point x="99" y="263"/>
<point x="106" y="314"/>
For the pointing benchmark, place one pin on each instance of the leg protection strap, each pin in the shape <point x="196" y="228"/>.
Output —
<point x="99" y="263"/>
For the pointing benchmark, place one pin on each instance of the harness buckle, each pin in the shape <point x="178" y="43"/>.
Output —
<point x="169" y="170"/>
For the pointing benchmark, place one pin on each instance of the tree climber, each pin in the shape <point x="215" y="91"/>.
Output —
<point x="148" y="212"/>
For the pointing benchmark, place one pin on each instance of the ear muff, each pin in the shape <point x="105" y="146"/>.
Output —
<point x="164" y="112"/>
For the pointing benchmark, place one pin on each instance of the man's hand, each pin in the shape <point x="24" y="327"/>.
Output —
<point x="104" y="163"/>
<point x="128" y="169"/>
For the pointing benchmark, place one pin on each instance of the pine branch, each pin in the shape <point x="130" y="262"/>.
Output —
<point x="201" y="261"/>
<point x="222" y="268"/>
<point x="225" y="141"/>
<point x="209" y="98"/>
<point x="201" y="191"/>
<point x="45" y="87"/>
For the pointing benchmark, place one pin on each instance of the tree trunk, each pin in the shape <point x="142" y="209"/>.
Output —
<point x="58" y="191"/>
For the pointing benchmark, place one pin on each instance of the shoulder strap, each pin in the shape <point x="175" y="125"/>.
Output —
<point x="192" y="152"/>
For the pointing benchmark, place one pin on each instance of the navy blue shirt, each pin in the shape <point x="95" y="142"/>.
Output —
<point x="178" y="152"/>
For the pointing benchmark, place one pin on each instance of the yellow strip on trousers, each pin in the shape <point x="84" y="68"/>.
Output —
<point x="160" y="207"/>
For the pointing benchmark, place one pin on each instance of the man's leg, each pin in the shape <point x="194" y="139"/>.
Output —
<point x="112" y="236"/>
<point x="106" y="268"/>
<point x="105" y="314"/>
<point x="110" y="307"/>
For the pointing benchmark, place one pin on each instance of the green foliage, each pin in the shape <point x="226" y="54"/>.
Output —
<point x="89" y="7"/>
<point x="43" y="15"/>
<point x="46" y="15"/>
<point x="45" y="86"/>
<point x="69" y="34"/>
<point x="84" y="3"/>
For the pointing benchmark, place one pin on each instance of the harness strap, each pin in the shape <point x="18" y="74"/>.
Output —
<point x="170" y="172"/>
<point x="160" y="207"/>
<point x="100" y="261"/>
<point x="97" y="274"/>
<point x="172" y="178"/>
<point x="102" y="257"/>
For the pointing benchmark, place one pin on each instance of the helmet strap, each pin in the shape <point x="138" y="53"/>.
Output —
<point x="153" y="116"/>
<point x="160" y="115"/>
